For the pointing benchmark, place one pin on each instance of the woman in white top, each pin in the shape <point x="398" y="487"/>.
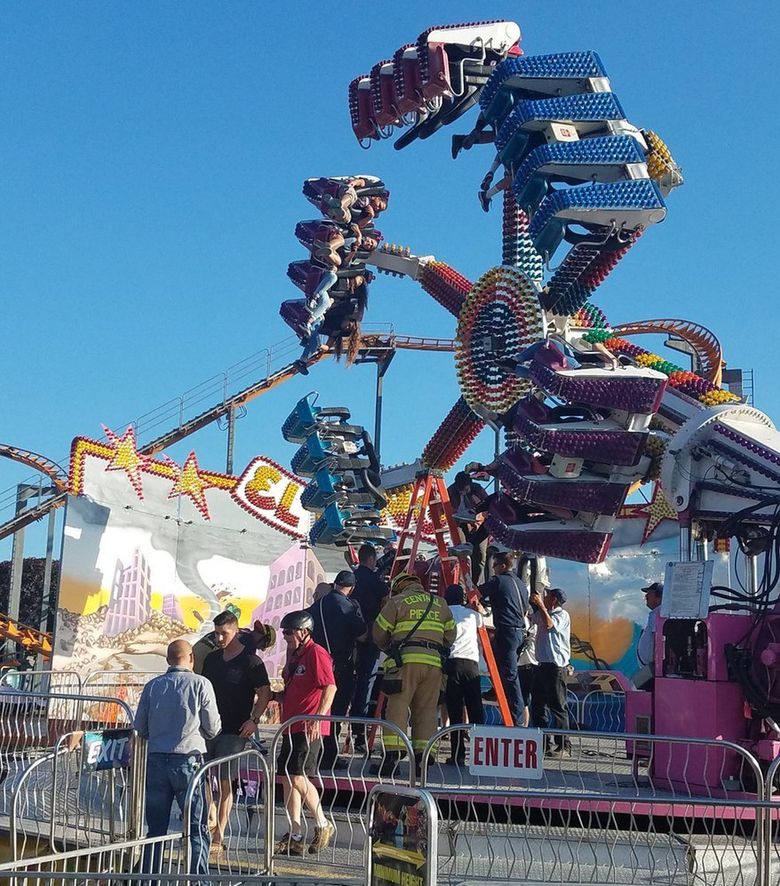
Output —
<point x="462" y="670"/>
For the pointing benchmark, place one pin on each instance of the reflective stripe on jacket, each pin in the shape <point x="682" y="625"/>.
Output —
<point x="399" y="616"/>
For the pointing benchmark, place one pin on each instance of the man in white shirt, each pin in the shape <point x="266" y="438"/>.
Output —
<point x="462" y="670"/>
<point x="645" y="650"/>
<point x="553" y="652"/>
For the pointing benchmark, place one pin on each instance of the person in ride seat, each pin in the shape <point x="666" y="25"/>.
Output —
<point x="415" y="629"/>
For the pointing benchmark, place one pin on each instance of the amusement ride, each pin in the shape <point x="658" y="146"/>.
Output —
<point x="587" y="416"/>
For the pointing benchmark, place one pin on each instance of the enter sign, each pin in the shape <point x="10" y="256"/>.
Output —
<point x="500" y="752"/>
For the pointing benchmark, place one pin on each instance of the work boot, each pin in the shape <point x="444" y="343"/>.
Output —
<point x="418" y="764"/>
<point x="388" y="766"/>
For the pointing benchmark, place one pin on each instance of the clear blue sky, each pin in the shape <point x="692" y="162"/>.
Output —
<point x="152" y="161"/>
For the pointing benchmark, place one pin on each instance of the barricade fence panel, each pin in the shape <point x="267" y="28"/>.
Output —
<point x="225" y="818"/>
<point x="87" y="791"/>
<point x="619" y="809"/>
<point x="620" y="765"/>
<point x="609" y="811"/>
<point x="126" y="685"/>
<point x="32" y="724"/>
<point x="42" y="681"/>
<point x="489" y="836"/>
<point x="160" y="857"/>
<point x="333" y="794"/>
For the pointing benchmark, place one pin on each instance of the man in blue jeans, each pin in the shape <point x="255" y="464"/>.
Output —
<point x="507" y="597"/>
<point x="177" y="713"/>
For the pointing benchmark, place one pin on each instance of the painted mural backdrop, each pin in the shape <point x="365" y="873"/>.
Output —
<point x="154" y="550"/>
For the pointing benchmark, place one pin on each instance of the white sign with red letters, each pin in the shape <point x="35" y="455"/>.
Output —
<point x="500" y="752"/>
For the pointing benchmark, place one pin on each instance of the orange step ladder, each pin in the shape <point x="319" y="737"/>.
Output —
<point x="430" y="497"/>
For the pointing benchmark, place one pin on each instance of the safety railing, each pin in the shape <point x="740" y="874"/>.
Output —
<point x="686" y="811"/>
<point x="334" y="796"/>
<point x="599" y="814"/>
<point x="226" y="816"/>
<point x="31" y="724"/>
<point x="42" y="681"/>
<point x="771" y="859"/>
<point x="127" y="685"/>
<point x="135" y="860"/>
<point x="669" y="767"/>
<point x="87" y="788"/>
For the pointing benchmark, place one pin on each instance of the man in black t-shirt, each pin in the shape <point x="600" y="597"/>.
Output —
<point x="243" y="691"/>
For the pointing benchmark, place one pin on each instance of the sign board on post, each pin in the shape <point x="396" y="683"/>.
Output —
<point x="687" y="589"/>
<point x="499" y="752"/>
<point x="108" y="749"/>
<point x="402" y="837"/>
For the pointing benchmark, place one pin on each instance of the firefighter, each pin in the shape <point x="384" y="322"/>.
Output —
<point x="415" y="630"/>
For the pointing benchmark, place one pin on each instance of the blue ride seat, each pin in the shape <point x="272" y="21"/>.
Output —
<point x="561" y="73"/>
<point x="590" y="113"/>
<point x="601" y="158"/>
<point x="626" y="205"/>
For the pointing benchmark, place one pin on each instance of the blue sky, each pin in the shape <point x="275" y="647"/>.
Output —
<point x="153" y="155"/>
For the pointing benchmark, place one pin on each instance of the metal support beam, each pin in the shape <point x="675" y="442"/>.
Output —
<point x="23" y="492"/>
<point x="231" y="439"/>
<point x="382" y="365"/>
<point x="46" y="597"/>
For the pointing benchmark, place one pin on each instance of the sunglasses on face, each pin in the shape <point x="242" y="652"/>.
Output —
<point x="287" y="632"/>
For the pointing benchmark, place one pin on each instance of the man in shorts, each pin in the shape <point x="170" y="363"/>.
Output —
<point x="243" y="691"/>
<point x="309" y="688"/>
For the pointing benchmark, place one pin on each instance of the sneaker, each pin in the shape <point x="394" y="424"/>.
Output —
<point x="484" y="201"/>
<point x="301" y="367"/>
<point x="323" y="837"/>
<point x="289" y="845"/>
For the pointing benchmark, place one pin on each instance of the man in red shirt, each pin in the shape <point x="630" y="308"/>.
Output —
<point x="309" y="688"/>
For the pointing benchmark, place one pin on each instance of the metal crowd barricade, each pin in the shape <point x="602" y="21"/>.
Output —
<point x="128" y="861"/>
<point x="127" y="685"/>
<point x="241" y="781"/>
<point x="31" y="724"/>
<point x="42" y="681"/>
<point x="772" y="830"/>
<point x="59" y="798"/>
<point x="694" y="809"/>
<point x="343" y="792"/>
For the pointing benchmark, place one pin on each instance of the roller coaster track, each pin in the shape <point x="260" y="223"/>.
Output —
<point x="38" y="462"/>
<point x="704" y="342"/>
<point x="370" y="344"/>
<point x="33" y="641"/>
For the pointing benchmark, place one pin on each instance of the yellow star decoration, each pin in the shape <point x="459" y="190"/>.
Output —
<point x="654" y="512"/>
<point x="191" y="482"/>
<point x="126" y="457"/>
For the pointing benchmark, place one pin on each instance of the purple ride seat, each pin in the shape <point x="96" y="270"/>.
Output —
<point x="294" y="313"/>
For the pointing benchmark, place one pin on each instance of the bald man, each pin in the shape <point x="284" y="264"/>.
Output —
<point x="177" y="713"/>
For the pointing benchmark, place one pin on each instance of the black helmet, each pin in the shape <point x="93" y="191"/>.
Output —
<point x="297" y="621"/>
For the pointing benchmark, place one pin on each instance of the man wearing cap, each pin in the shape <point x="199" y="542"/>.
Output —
<point x="645" y="650"/>
<point x="338" y="624"/>
<point x="553" y="652"/>
<point x="370" y="593"/>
